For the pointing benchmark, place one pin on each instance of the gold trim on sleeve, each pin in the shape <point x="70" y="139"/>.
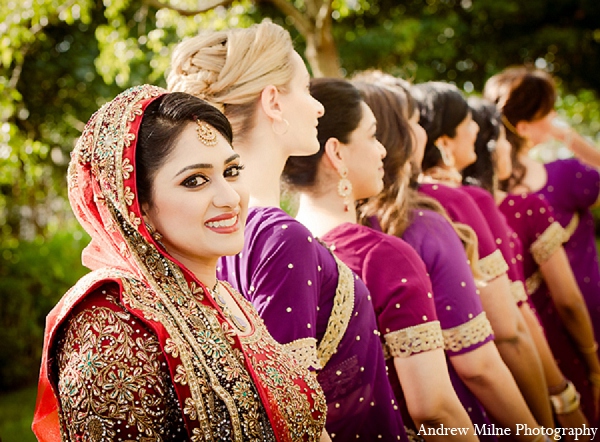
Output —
<point x="304" y="351"/>
<point x="493" y="265"/>
<point x="416" y="339"/>
<point x="343" y="305"/>
<point x="572" y="226"/>
<point x="517" y="290"/>
<point x="533" y="282"/>
<point x="467" y="334"/>
<point x="548" y="242"/>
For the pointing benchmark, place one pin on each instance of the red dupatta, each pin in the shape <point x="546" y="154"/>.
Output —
<point x="195" y="337"/>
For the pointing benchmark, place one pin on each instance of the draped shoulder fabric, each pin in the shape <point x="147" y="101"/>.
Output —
<point x="155" y="321"/>
<point x="316" y="306"/>
<point x="533" y="219"/>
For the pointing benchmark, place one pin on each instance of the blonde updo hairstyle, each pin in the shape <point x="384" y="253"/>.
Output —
<point x="230" y="69"/>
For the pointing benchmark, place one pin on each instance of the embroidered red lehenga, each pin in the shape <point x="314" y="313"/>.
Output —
<point x="138" y="349"/>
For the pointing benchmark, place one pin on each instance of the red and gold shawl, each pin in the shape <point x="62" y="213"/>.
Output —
<point x="218" y="375"/>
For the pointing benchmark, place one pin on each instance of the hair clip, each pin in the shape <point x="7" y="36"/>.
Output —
<point x="206" y="133"/>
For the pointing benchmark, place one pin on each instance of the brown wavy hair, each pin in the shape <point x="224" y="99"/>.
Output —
<point x="392" y="104"/>
<point x="521" y="94"/>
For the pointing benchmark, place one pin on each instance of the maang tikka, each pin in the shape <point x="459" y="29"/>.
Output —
<point x="206" y="133"/>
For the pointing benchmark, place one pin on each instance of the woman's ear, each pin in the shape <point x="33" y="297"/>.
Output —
<point x="145" y="207"/>
<point x="270" y="103"/>
<point x="333" y="153"/>
<point x="522" y="128"/>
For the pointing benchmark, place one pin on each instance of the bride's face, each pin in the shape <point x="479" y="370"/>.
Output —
<point x="199" y="202"/>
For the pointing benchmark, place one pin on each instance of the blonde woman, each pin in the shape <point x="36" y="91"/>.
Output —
<point x="310" y="301"/>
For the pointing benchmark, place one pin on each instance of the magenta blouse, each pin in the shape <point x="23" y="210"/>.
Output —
<point x="506" y="239"/>
<point x="400" y="289"/>
<point x="533" y="220"/>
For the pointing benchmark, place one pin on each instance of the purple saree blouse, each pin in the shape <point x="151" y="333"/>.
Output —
<point x="533" y="220"/>
<point x="323" y="313"/>
<point x="461" y="208"/>
<point x="459" y="310"/>
<point x="400" y="289"/>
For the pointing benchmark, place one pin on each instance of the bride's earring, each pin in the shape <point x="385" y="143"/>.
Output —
<point x="156" y="236"/>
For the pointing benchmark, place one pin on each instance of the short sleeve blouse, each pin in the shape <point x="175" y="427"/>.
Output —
<point x="398" y="282"/>
<point x="459" y="310"/>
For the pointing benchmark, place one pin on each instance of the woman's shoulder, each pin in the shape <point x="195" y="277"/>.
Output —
<point x="569" y="167"/>
<point x="454" y="197"/>
<point x="271" y="225"/>
<point x="478" y="194"/>
<point x="526" y="200"/>
<point x="428" y="218"/>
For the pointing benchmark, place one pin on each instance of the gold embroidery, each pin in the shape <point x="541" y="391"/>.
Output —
<point x="413" y="436"/>
<point x="343" y="305"/>
<point x="305" y="352"/>
<point x="534" y="282"/>
<point x="572" y="226"/>
<point x="274" y="369"/>
<point x="548" y="242"/>
<point x="111" y="379"/>
<point x="493" y="265"/>
<point x="415" y="339"/>
<point x="467" y="334"/>
<point x="212" y="361"/>
<point x="517" y="290"/>
<point x="205" y="354"/>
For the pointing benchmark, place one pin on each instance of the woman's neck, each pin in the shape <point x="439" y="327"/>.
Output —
<point x="441" y="174"/>
<point x="322" y="213"/>
<point x="204" y="270"/>
<point x="263" y="164"/>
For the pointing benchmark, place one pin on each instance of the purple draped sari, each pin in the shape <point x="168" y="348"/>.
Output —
<point x="571" y="189"/>
<point x="462" y="208"/>
<point x="322" y="312"/>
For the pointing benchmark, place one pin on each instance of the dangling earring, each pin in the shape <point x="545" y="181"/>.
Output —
<point x="448" y="162"/>
<point x="345" y="188"/>
<point x="287" y="126"/>
<point x="156" y="236"/>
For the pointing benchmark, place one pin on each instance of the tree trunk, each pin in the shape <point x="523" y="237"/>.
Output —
<point x="322" y="55"/>
<point x="314" y="24"/>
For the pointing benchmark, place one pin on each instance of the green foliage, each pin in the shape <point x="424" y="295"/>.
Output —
<point x="16" y="414"/>
<point x="33" y="277"/>
<point x="61" y="59"/>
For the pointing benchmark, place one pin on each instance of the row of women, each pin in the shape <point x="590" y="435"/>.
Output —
<point x="435" y="283"/>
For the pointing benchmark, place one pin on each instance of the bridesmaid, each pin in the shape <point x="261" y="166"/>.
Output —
<point x="554" y="290"/>
<point x="309" y="300"/>
<point x="348" y="167"/>
<point x="526" y="100"/>
<point x="451" y="133"/>
<point x="478" y="373"/>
